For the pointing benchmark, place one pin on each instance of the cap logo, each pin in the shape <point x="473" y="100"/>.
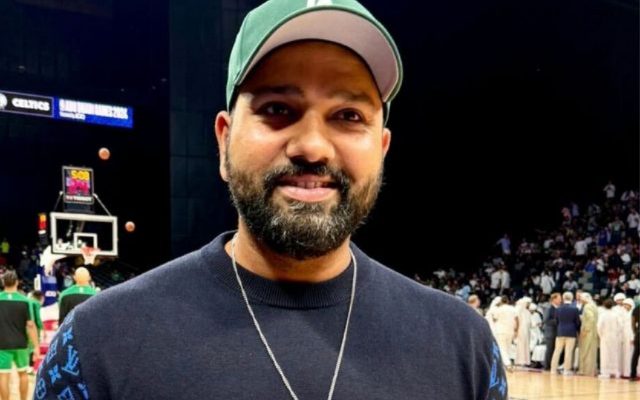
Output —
<point x="315" y="3"/>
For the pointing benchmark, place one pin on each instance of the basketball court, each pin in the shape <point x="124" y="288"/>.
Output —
<point x="527" y="385"/>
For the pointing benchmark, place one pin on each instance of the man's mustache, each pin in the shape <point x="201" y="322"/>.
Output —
<point x="338" y="177"/>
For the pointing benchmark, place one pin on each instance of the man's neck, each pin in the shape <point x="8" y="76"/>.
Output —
<point x="11" y="290"/>
<point x="259" y="259"/>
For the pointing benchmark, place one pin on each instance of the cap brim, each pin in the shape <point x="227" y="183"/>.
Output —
<point x="365" y="37"/>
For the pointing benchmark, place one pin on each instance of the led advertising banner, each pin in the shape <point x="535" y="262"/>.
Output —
<point x="94" y="113"/>
<point x="77" y="185"/>
<point x="29" y="104"/>
<point x="66" y="109"/>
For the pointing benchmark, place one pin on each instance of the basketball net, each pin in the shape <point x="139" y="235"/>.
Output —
<point x="89" y="254"/>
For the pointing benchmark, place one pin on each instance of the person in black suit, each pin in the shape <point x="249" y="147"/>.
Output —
<point x="550" y="326"/>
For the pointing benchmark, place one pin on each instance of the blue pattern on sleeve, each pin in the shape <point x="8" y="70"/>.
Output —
<point x="54" y="374"/>
<point x="67" y="336"/>
<point x="497" y="380"/>
<point x="59" y="376"/>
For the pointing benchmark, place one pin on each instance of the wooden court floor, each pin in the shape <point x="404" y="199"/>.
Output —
<point x="526" y="385"/>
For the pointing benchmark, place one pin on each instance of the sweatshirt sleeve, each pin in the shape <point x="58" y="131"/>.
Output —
<point x="59" y="376"/>
<point x="498" y="389"/>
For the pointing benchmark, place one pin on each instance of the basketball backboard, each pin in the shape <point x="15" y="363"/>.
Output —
<point x="72" y="231"/>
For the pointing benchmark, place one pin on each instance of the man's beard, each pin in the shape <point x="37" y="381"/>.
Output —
<point x="299" y="229"/>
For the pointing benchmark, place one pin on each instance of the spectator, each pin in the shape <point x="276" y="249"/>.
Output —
<point x="505" y="319"/>
<point x="536" y="327"/>
<point x="474" y="302"/>
<point x="617" y="229"/>
<point x="4" y="247"/>
<point x="628" y="196"/>
<point x="627" y="335"/>
<point x="581" y="247"/>
<point x="547" y="283"/>
<point x="633" y="222"/>
<point x="609" y="329"/>
<point x="610" y="191"/>
<point x="570" y="285"/>
<point x="575" y="209"/>
<point x="568" y="318"/>
<point x="523" y="352"/>
<point x="588" y="339"/>
<point x="505" y="245"/>
<point x="633" y="286"/>
<point x="505" y="279"/>
<point x="495" y="281"/>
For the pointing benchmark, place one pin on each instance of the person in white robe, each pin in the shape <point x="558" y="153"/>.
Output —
<point x="489" y="315"/>
<point x="505" y="319"/>
<point x="621" y="312"/>
<point x="523" y="351"/>
<point x="536" y="341"/>
<point x="535" y="330"/>
<point x="609" y="329"/>
<point x="627" y="338"/>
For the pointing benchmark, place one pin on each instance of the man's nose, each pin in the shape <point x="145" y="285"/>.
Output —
<point x="311" y="140"/>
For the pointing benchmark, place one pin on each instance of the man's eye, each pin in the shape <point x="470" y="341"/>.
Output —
<point x="350" y="116"/>
<point x="276" y="109"/>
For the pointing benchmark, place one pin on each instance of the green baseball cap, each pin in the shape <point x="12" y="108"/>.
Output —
<point x="345" y="22"/>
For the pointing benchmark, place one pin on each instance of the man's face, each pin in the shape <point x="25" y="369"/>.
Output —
<point x="303" y="149"/>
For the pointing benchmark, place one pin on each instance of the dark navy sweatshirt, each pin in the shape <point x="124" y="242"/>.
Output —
<point x="182" y="331"/>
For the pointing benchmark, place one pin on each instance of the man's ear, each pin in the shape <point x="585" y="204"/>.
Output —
<point x="222" y="129"/>
<point x="386" y="141"/>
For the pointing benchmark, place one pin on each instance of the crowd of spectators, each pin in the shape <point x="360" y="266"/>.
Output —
<point x="595" y="249"/>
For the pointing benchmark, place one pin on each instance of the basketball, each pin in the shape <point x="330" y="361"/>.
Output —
<point x="104" y="153"/>
<point x="130" y="226"/>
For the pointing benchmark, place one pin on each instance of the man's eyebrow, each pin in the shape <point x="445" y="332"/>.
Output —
<point x="356" y="97"/>
<point x="290" y="90"/>
<point x="293" y="90"/>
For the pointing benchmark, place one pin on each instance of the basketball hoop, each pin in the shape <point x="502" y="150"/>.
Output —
<point x="89" y="254"/>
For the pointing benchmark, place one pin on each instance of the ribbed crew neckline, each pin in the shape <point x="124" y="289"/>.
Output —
<point x="283" y="294"/>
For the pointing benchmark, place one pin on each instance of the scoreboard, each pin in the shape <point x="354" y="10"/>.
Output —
<point x="77" y="184"/>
